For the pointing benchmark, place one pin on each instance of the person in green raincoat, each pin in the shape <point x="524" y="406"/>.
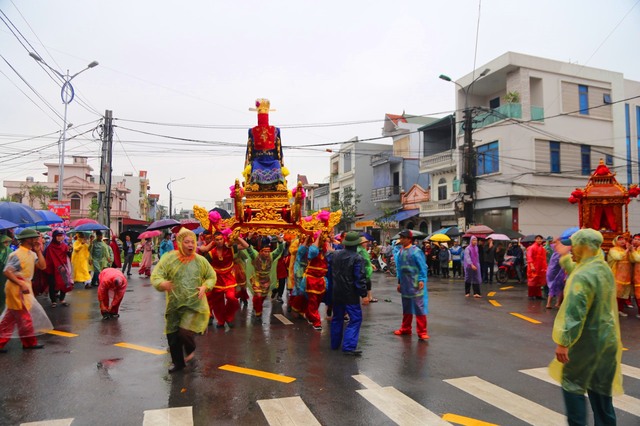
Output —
<point x="587" y="332"/>
<point x="185" y="277"/>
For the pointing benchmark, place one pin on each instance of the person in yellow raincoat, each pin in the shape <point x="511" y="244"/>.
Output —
<point x="619" y="261"/>
<point x="587" y="332"/>
<point x="185" y="277"/>
<point x="80" y="260"/>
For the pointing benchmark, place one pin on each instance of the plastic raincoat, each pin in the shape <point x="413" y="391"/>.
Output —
<point x="80" y="261"/>
<point x="618" y="259"/>
<point x="411" y="267"/>
<point x="184" y="309"/>
<point x="587" y="323"/>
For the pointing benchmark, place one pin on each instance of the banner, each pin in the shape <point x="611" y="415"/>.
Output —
<point x="61" y="208"/>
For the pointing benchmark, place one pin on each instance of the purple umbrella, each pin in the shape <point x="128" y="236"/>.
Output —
<point x="18" y="213"/>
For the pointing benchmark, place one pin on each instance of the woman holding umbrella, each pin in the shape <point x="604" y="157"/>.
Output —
<point x="147" y="257"/>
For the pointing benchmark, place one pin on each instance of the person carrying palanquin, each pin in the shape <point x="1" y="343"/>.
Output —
<point x="618" y="259"/>
<point x="263" y="278"/>
<point x="315" y="281"/>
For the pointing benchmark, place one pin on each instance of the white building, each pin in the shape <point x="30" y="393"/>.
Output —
<point x="540" y="128"/>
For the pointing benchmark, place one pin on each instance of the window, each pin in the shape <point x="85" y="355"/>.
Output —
<point x="554" y="155"/>
<point x="608" y="160"/>
<point x="494" y="103"/>
<point x="488" y="159"/>
<point x="606" y="98"/>
<point x="583" y="96"/>
<point x="442" y="189"/>
<point x="75" y="202"/>
<point x="346" y="162"/>
<point x="585" y="158"/>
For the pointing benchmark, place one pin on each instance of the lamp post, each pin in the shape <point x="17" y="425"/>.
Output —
<point x="468" y="156"/>
<point x="171" y="195"/>
<point x="66" y="94"/>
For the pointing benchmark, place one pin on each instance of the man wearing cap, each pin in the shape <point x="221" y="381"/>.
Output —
<point x="411" y="270"/>
<point x="587" y="332"/>
<point x="368" y="268"/>
<point x="349" y="287"/>
<point x="536" y="268"/>
<point x="19" y="271"/>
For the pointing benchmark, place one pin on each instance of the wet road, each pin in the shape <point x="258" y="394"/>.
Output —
<point x="89" y="379"/>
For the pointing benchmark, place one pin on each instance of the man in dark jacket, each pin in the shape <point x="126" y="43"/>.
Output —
<point x="488" y="260"/>
<point x="349" y="285"/>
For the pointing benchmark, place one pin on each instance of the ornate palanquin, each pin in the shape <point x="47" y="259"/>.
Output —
<point x="603" y="204"/>
<point x="267" y="209"/>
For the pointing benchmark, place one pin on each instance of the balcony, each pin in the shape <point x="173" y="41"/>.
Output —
<point x="440" y="162"/>
<point x="504" y="112"/>
<point x="386" y="193"/>
<point x="384" y="157"/>
<point x="437" y="208"/>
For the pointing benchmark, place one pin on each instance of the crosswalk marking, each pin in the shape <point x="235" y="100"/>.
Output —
<point x="491" y="294"/>
<point x="396" y="405"/>
<point x="180" y="416"/>
<point x="258" y="373"/>
<point x="141" y="348"/>
<point x="283" y="319"/>
<point x="61" y="333"/>
<point x="287" y="412"/>
<point x="58" y="422"/>
<point x="526" y="318"/>
<point x="630" y="371"/>
<point x="510" y="402"/>
<point x="622" y="402"/>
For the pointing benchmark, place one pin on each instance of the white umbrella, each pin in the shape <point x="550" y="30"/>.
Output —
<point x="499" y="237"/>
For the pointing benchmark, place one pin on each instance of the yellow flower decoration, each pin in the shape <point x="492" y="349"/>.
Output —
<point x="285" y="172"/>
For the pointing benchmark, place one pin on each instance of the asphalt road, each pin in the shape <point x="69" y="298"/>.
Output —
<point x="481" y="363"/>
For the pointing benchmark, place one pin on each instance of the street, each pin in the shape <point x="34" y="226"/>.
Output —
<point x="482" y="362"/>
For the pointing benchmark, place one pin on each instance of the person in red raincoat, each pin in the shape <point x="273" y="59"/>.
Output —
<point x="113" y="285"/>
<point x="117" y="261"/>
<point x="536" y="268"/>
<point x="58" y="270"/>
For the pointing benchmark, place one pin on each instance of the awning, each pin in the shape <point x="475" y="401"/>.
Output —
<point x="401" y="215"/>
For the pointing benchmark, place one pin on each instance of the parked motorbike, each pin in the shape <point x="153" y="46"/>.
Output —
<point x="507" y="270"/>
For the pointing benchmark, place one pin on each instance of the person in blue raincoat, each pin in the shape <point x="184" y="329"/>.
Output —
<point x="587" y="332"/>
<point x="411" y="270"/>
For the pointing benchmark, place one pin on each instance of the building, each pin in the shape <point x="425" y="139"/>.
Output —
<point x="79" y="188"/>
<point x="351" y="178"/>
<point x="540" y="127"/>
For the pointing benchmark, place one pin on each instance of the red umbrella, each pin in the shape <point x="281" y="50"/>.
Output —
<point x="149" y="234"/>
<point x="83" y="221"/>
<point x="479" y="229"/>
<point x="190" y="224"/>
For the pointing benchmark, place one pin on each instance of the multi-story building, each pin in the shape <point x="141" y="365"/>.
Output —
<point x="80" y="188"/>
<point x="440" y="160"/>
<point x="351" y="173"/>
<point x="540" y="127"/>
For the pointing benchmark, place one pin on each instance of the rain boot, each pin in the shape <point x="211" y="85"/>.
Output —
<point x="405" y="329"/>
<point x="421" y="327"/>
<point x="177" y="354"/>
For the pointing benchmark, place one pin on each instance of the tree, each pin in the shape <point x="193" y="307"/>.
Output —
<point x="37" y="192"/>
<point x="93" y="208"/>
<point x="347" y="202"/>
<point x="385" y="224"/>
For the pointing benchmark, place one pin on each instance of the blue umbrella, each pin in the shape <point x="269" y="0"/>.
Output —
<point x="48" y="217"/>
<point x="90" y="227"/>
<point x="18" y="213"/>
<point x="367" y="236"/>
<point x="5" y="224"/>
<point x="569" y="232"/>
<point x="199" y="230"/>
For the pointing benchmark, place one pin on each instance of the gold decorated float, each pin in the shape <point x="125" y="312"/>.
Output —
<point x="263" y="204"/>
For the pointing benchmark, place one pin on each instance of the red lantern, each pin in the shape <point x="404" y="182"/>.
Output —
<point x="573" y="199"/>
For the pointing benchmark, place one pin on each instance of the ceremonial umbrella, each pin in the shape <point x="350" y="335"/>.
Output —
<point x="149" y="234"/>
<point x="48" y="217"/>
<point x="82" y="221"/>
<point x="440" y="238"/>
<point x="18" y="213"/>
<point x="162" y="224"/>
<point x="5" y="224"/>
<point x="90" y="227"/>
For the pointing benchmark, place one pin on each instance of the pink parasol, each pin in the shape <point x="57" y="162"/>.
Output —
<point x="149" y="234"/>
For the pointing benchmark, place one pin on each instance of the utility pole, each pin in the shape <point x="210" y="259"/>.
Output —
<point x="469" y="179"/>
<point x="104" y="196"/>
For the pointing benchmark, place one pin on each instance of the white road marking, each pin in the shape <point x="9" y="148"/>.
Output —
<point x="630" y="371"/>
<point x="287" y="412"/>
<point x="59" y="422"/>
<point x="397" y="406"/>
<point x="622" y="402"/>
<point x="517" y="406"/>
<point x="283" y="319"/>
<point x="180" y="416"/>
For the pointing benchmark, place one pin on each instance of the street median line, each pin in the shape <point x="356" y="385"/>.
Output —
<point x="146" y="349"/>
<point x="465" y="421"/>
<point x="494" y="302"/>
<point x="531" y="320"/>
<point x="257" y="373"/>
<point x="61" y="333"/>
<point x="509" y="287"/>
<point x="491" y="293"/>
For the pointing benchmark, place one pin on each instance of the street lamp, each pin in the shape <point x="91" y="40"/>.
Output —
<point x="67" y="94"/>
<point x="171" y="195"/>
<point x="468" y="146"/>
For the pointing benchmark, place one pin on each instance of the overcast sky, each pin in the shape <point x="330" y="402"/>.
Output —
<point x="192" y="69"/>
